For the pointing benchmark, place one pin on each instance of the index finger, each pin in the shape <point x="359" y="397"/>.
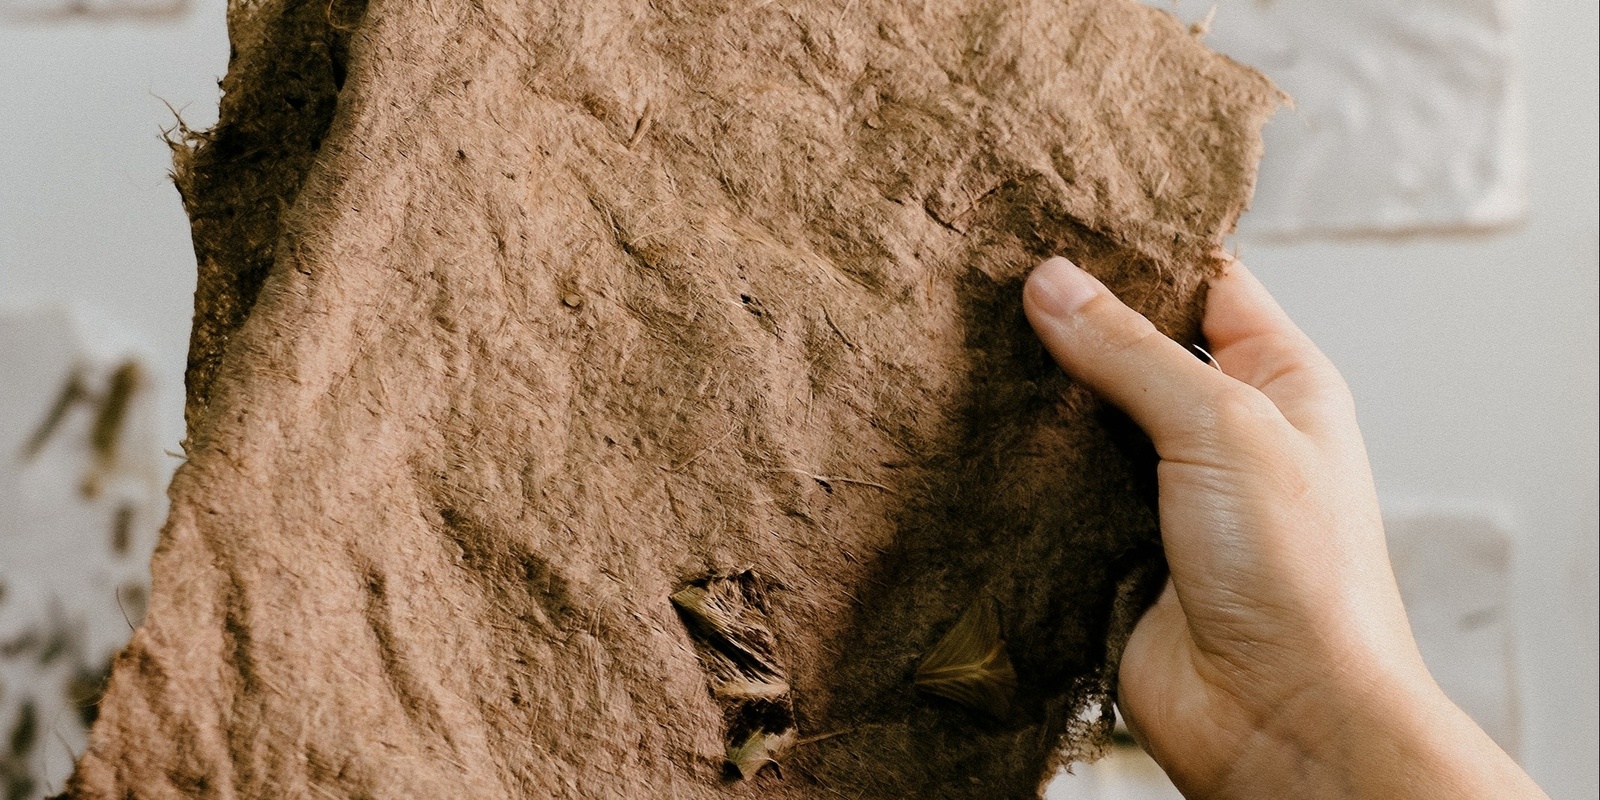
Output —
<point x="1180" y="402"/>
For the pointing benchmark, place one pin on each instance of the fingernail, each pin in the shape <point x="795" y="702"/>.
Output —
<point x="1059" y="288"/>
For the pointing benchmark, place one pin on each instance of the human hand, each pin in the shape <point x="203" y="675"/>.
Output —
<point x="1278" y="661"/>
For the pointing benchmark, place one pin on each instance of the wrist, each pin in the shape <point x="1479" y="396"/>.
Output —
<point x="1327" y="741"/>
<point x="1389" y="733"/>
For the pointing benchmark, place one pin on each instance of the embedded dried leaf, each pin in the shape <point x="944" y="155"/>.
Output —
<point x="726" y="617"/>
<point x="969" y="665"/>
<point x="736" y="689"/>
<point x="758" y="751"/>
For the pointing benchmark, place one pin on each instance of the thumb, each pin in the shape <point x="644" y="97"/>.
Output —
<point x="1123" y="358"/>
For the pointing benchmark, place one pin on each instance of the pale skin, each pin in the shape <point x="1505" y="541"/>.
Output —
<point x="1278" y="661"/>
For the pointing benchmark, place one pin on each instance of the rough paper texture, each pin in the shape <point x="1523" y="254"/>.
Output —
<point x="516" y="318"/>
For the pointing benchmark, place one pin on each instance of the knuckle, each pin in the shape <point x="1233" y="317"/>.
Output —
<point x="1325" y="375"/>
<point x="1236" y="407"/>
<point x="1328" y="387"/>
<point x="1337" y="392"/>
<point x="1281" y="357"/>
<point x="1120" y="328"/>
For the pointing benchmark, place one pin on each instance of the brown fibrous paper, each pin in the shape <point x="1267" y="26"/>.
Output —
<point x="517" y="317"/>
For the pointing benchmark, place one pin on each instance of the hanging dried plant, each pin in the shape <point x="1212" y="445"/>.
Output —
<point x="72" y="392"/>
<point x="110" y="416"/>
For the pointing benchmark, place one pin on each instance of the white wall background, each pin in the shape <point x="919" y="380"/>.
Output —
<point x="1473" y="356"/>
